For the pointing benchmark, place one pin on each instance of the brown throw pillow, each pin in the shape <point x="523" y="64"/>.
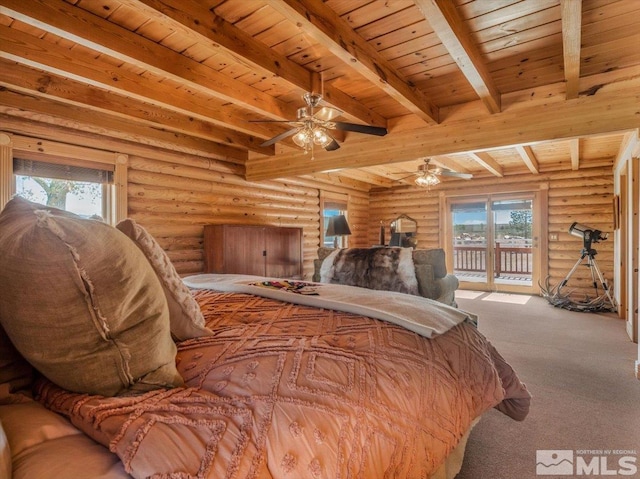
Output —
<point x="82" y="304"/>
<point x="185" y="316"/>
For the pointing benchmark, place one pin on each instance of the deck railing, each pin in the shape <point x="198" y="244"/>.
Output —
<point x="512" y="259"/>
<point x="470" y="258"/>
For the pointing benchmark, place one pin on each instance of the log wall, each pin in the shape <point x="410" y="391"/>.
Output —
<point x="585" y="196"/>
<point x="175" y="200"/>
<point x="174" y="195"/>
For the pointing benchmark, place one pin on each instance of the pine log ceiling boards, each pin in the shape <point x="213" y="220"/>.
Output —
<point x="486" y="88"/>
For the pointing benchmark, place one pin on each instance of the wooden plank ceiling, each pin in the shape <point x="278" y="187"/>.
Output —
<point x="485" y="87"/>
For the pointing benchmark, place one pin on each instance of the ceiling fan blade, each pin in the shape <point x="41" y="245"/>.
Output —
<point x="405" y="177"/>
<point x="281" y="136"/>
<point x="455" y="174"/>
<point x="327" y="113"/>
<point x="369" y="130"/>
<point x="334" y="145"/>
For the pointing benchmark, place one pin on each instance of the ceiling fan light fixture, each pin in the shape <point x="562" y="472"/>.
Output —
<point x="312" y="126"/>
<point x="320" y="137"/>
<point x="312" y="99"/>
<point x="427" y="180"/>
<point x="303" y="138"/>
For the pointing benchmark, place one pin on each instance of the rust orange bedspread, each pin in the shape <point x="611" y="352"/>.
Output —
<point x="290" y="391"/>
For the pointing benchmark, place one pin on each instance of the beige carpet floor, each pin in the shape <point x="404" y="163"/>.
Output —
<point x="579" y="368"/>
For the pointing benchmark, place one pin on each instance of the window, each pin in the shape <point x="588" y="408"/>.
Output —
<point x="333" y="205"/>
<point x="79" y="189"/>
<point x="22" y="156"/>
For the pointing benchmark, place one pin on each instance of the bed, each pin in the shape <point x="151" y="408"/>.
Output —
<point x="266" y="378"/>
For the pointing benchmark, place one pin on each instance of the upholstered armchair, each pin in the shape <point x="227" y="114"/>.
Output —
<point x="431" y="273"/>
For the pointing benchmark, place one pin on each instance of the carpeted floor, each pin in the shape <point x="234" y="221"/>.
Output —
<point x="579" y="367"/>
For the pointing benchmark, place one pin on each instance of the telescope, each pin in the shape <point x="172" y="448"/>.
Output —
<point x="602" y="302"/>
<point x="588" y="234"/>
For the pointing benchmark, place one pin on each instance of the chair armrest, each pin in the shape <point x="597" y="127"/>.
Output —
<point x="448" y="286"/>
<point x="317" y="264"/>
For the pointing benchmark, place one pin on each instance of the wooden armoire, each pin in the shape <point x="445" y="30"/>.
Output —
<point x="271" y="251"/>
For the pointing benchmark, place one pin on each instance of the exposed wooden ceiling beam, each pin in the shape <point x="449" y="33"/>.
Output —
<point x="50" y="57"/>
<point x="449" y="163"/>
<point x="612" y="111"/>
<point x="571" y="13"/>
<point x="326" y="27"/>
<point x="529" y="158"/>
<point x="337" y="179"/>
<point x="457" y="39"/>
<point x="41" y="128"/>
<point x="197" y="21"/>
<point x="24" y="106"/>
<point x="100" y="35"/>
<point x="22" y="78"/>
<point x="367" y="177"/>
<point x="574" y="148"/>
<point x="391" y="176"/>
<point x="488" y="163"/>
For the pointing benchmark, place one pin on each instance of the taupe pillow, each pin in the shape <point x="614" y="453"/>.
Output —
<point x="82" y="304"/>
<point x="427" y="284"/>
<point x="435" y="257"/>
<point x="185" y="316"/>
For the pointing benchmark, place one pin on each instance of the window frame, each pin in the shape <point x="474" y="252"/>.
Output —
<point x="342" y="203"/>
<point x="18" y="146"/>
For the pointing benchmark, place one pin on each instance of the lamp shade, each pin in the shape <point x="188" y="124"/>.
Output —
<point x="338" y="226"/>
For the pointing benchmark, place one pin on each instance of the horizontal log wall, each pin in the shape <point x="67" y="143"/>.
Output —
<point x="174" y="201"/>
<point x="585" y="196"/>
<point x="173" y="195"/>
<point x="419" y="204"/>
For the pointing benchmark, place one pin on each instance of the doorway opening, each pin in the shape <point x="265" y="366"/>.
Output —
<point x="493" y="242"/>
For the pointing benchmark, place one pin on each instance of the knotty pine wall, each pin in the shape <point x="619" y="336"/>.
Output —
<point x="174" y="200"/>
<point x="585" y="196"/>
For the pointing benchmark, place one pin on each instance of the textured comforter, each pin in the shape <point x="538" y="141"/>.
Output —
<point x="284" y="390"/>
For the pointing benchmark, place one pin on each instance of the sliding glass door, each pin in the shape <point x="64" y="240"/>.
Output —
<point x="494" y="242"/>
<point x="470" y="240"/>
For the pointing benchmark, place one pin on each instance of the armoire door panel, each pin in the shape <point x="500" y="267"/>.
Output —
<point x="253" y="249"/>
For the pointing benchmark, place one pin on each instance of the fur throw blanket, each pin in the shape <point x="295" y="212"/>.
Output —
<point x="388" y="269"/>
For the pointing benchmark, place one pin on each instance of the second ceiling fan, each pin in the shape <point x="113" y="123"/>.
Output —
<point x="427" y="176"/>
<point x="314" y="124"/>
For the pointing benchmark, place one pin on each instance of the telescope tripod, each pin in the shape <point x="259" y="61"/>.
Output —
<point x="600" y="302"/>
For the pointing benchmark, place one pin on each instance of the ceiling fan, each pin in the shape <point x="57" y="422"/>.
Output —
<point x="313" y="125"/>
<point x="427" y="176"/>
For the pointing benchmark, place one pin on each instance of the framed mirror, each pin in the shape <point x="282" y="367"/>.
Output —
<point x="403" y="232"/>
<point x="404" y="224"/>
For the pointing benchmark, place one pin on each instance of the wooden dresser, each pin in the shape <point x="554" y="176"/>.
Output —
<point x="259" y="250"/>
